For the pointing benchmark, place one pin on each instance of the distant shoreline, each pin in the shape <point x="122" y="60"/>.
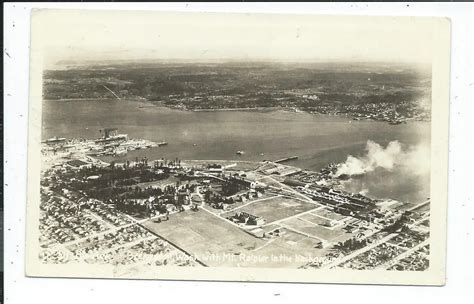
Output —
<point x="242" y="109"/>
<point x="153" y="104"/>
<point x="97" y="99"/>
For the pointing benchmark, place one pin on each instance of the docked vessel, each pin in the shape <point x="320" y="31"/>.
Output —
<point x="55" y="140"/>
<point x="111" y="137"/>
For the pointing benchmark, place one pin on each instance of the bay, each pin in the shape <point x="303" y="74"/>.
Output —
<point x="262" y="134"/>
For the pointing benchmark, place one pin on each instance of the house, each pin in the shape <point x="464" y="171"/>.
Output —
<point x="351" y="229"/>
<point x="259" y="221"/>
<point x="183" y="197"/>
<point x="251" y="219"/>
<point x="331" y="223"/>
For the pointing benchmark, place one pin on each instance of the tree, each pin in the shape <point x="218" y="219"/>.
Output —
<point x="399" y="225"/>
<point x="207" y="195"/>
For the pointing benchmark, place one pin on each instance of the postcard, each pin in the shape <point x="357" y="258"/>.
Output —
<point x="238" y="147"/>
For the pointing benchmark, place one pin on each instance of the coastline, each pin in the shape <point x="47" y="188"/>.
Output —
<point x="158" y="104"/>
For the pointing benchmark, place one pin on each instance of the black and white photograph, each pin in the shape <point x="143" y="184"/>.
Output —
<point x="242" y="147"/>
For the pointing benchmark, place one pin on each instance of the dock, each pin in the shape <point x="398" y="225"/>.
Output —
<point x="285" y="159"/>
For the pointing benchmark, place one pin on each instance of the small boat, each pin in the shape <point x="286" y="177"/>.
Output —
<point x="240" y="152"/>
<point x="163" y="143"/>
<point x="262" y="154"/>
<point x="194" y="145"/>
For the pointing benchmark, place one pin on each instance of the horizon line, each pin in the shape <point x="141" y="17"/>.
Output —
<point x="233" y="60"/>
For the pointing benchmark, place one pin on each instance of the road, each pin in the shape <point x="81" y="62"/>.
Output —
<point x="254" y="201"/>
<point x="293" y="216"/>
<point x="300" y="232"/>
<point x="403" y="255"/>
<point x="357" y="252"/>
<point x="419" y="205"/>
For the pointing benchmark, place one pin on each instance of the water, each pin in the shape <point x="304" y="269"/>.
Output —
<point x="315" y="139"/>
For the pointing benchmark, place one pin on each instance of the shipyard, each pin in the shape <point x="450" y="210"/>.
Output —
<point x="110" y="143"/>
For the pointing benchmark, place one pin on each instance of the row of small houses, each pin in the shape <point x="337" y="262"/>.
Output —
<point x="239" y="198"/>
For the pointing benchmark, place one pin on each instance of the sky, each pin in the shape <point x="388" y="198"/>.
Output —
<point x="124" y="35"/>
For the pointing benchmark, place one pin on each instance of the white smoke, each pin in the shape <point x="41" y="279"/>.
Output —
<point x="416" y="158"/>
<point x="396" y="171"/>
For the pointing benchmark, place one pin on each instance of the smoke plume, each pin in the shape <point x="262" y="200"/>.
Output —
<point x="396" y="171"/>
<point x="386" y="158"/>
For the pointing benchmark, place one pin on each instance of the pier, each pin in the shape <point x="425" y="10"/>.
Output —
<point x="285" y="159"/>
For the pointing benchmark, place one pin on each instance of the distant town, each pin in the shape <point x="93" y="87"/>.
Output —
<point x="392" y="94"/>
<point x="197" y="213"/>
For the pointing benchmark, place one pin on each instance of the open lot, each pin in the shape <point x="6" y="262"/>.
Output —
<point x="238" y="205"/>
<point x="270" y="181"/>
<point x="317" y="220"/>
<point x="159" y="183"/>
<point x="277" y="208"/>
<point x="329" y="214"/>
<point x="214" y="241"/>
<point x="314" y="230"/>
<point x="290" y="250"/>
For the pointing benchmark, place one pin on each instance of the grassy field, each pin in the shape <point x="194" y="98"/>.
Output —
<point x="270" y="182"/>
<point x="315" y="230"/>
<point x="214" y="241"/>
<point x="329" y="214"/>
<point x="314" y="219"/>
<point x="290" y="250"/>
<point x="160" y="183"/>
<point x="218" y="243"/>
<point x="277" y="208"/>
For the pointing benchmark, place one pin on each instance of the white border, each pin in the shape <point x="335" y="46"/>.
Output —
<point x="16" y="96"/>
<point x="438" y="29"/>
